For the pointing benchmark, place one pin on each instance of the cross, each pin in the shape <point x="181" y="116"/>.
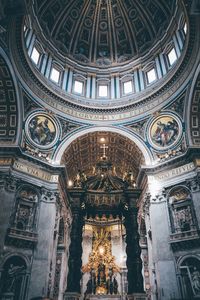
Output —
<point x="104" y="147"/>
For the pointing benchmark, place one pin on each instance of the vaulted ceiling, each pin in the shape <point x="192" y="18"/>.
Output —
<point x="86" y="151"/>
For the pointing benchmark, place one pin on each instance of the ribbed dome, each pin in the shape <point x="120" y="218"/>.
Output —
<point x="104" y="32"/>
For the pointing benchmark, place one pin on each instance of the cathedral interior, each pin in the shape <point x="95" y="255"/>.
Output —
<point x="99" y="149"/>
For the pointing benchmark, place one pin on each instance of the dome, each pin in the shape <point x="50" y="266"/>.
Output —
<point x="104" y="79"/>
<point x="103" y="33"/>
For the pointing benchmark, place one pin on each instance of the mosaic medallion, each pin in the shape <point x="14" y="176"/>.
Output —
<point x="164" y="131"/>
<point x="42" y="130"/>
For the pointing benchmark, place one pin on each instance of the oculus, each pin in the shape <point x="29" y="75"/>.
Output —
<point x="41" y="130"/>
<point x="164" y="132"/>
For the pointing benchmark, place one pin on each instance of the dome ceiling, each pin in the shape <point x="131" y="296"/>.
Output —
<point x="104" y="32"/>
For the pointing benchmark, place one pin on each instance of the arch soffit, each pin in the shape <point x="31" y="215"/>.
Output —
<point x="17" y="96"/>
<point x="148" y="157"/>
<point x="191" y="112"/>
<point x="182" y="258"/>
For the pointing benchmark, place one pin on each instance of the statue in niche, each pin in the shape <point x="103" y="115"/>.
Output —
<point x="190" y="277"/>
<point x="24" y="215"/>
<point x="42" y="130"/>
<point x="11" y="277"/>
<point x="196" y="280"/>
<point x="181" y="206"/>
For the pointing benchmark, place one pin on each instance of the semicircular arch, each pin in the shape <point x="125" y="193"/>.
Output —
<point x="148" y="157"/>
<point x="10" y="108"/>
<point x="193" y="112"/>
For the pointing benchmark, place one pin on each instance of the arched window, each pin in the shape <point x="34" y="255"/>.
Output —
<point x="190" y="278"/>
<point x="181" y="210"/>
<point x="14" y="279"/>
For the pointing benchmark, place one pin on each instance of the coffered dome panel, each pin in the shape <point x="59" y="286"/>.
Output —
<point x="104" y="32"/>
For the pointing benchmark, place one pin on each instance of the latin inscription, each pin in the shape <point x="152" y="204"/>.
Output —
<point x="175" y="172"/>
<point x="35" y="172"/>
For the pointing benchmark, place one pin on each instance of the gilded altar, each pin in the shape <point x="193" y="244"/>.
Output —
<point x="101" y="265"/>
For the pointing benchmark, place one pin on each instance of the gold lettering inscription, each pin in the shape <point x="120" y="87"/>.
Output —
<point x="35" y="172"/>
<point x="174" y="172"/>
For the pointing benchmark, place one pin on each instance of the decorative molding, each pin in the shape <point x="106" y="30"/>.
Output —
<point x="8" y="105"/>
<point x="194" y="183"/>
<point x="138" y="127"/>
<point x="65" y="104"/>
<point x="49" y="196"/>
<point x="160" y="197"/>
<point x="178" y="105"/>
<point x="67" y="127"/>
<point x="194" y="114"/>
<point x="172" y="153"/>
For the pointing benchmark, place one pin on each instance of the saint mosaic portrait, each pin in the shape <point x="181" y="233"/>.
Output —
<point x="164" y="131"/>
<point x="42" y="130"/>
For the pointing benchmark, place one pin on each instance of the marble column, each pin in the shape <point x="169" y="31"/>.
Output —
<point x="134" y="262"/>
<point x="75" y="254"/>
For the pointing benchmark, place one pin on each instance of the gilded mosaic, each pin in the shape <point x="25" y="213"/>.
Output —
<point x="41" y="130"/>
<point x="164" y="131"/>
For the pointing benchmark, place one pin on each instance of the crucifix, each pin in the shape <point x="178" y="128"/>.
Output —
<point x="104" y="147"/>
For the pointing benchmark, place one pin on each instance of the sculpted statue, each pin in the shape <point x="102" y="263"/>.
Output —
<point x="11" y="277"/>
<point x="196" y="280"/>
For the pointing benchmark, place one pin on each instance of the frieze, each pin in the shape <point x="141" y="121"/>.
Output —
<point x="35" y="172"/>
<point x="108" y="200"/>
<point x="175" y="172"/>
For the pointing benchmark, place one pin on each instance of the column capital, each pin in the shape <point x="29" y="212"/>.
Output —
<point x="50" y="196"/>
<point x="194" y="183"/>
